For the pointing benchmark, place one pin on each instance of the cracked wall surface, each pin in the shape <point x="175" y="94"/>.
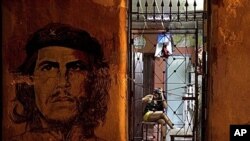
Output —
<point x="230" y="68"/>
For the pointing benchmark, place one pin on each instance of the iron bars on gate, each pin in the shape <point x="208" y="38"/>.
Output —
<point x="166" y="10"/>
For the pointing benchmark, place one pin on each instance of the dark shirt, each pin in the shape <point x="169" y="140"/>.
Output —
<point x="154" y="105"/>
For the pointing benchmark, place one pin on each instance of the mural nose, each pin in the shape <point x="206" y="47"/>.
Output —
<point x="63" y="79"/>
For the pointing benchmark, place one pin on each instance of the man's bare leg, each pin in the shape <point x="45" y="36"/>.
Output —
<point x="155" y="116"/>
<point x="168" y="121"/>
<point x="163" y="129"/>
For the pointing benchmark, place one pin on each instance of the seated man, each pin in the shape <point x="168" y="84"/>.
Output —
<point x="154" y="110"/>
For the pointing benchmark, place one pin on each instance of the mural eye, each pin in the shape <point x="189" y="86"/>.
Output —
<point x="47" y="67"/>
<point x="77" y="67"/>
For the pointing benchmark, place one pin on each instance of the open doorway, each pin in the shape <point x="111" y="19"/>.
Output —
<point x="168" y="50"/>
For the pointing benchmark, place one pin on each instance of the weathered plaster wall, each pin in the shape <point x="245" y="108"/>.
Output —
<point x="230" y="67"/>
<point x="104" y="19"/>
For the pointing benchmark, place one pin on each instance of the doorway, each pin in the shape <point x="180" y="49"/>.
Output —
<point x="167" y="49"/>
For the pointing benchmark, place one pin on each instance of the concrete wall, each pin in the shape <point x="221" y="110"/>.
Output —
<point x="229" y="67"/>
<point x="104" y="19"/>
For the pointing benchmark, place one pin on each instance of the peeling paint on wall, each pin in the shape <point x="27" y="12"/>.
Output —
<point x="232" y="6"/>
<point x="230" y="67"/>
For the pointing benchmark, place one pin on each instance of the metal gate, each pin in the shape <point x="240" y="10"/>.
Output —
<point x="167" y="49"/>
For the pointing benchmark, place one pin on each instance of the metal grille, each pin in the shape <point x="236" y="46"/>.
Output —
<point x="167" y="50"/>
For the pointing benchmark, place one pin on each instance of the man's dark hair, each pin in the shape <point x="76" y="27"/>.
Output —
<point x="92" y="110"/>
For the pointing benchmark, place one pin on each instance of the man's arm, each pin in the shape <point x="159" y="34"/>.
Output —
<point x="164" y="102"/>
<point x="147" y="98"/>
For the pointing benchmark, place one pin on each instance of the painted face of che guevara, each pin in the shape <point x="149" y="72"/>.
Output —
<point x="59" y="79"/>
